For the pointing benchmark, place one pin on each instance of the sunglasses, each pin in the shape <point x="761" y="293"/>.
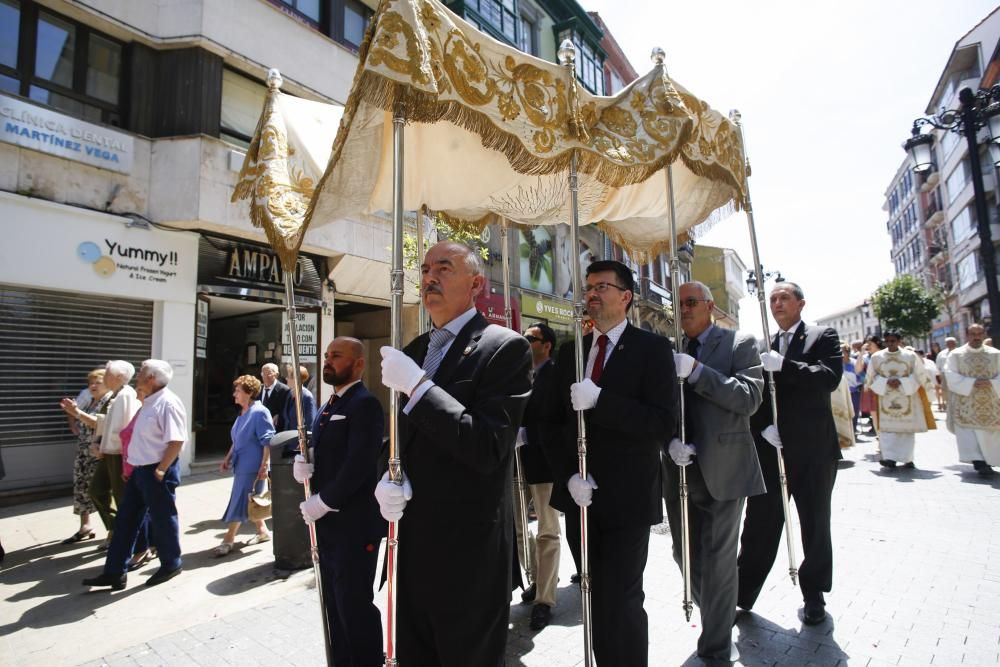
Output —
<point x="532" y="339"/>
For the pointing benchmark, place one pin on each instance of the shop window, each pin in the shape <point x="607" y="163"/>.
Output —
<point x="242" y="101"/>
<point x="58" y="62"/>
<point x="344" y="21"/>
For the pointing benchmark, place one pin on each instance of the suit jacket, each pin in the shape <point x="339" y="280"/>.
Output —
<point x="633" y="420"/>
<point x="810" y="373"/>
<point x="276" y="402"/>
<point x="721" y="401"/>
<point x="290" y="422"/>
<point x="533" y="455"/>
<point x="345" y="450"/>
<point x="457" y="446"/>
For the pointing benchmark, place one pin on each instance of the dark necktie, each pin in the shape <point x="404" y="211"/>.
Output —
<point x="267" y="394"/>
<point x="324" y="417"/>
<point x="598" y="369"/>
<point x="692" y="350"/>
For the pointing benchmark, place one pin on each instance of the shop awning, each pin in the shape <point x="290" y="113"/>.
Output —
<point x="367" y="280"/>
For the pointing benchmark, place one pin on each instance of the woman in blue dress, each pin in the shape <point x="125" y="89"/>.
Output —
<point x="248" y="456"/>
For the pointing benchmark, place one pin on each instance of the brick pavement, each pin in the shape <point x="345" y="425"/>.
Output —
<point x="917" y="582"/>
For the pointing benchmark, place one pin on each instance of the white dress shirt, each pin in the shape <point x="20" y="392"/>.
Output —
<point x="161" y="421"/>
<point x="613" y="335"/>
<point x="455" y="327"/>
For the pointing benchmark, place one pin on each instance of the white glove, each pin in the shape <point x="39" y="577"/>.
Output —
<point x="771" y="435"/>
<point x="772" y="361"/>
<point x="581" y="489"/>
<point x="522" y="437"/>
<point x="314" y="509"/>
<point x="301" y="470"/>
<point x="392" y="497"/>
<point x="399" y="372"/>
<point x="583" y="395"/>
<point x="684" y="363"/>
<point x="680" y="453"/>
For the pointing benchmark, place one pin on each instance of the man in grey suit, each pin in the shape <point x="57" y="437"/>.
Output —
<point x="723" y="384"/>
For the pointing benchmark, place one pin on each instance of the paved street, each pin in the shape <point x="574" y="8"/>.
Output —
<point x="917" y="582"/>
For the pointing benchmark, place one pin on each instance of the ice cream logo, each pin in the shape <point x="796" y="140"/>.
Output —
<point x="90" y="252"/>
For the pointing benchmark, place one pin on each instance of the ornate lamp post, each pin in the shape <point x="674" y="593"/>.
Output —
<point x="978" y="110"/>
<point x="752" y="279"/>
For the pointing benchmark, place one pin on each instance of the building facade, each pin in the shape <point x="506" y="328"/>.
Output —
<point x="938" y="241"/>
<point x="854" y="323"/>
<point x="723" y="271"/>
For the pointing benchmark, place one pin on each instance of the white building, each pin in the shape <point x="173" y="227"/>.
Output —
<point x="852" y="324"/>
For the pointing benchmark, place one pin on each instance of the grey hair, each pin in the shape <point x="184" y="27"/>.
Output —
<point x="796" y="290"/>
<point x="706" y="292"/>
<point x="273" y="367"/>
<point x="120" y="369"/>
<point x="159" y="370"/>
<point x="473" y="261"/>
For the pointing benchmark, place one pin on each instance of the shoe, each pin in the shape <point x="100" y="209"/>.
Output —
<point x="813" y="613"/>
<point x="259" y="538"/>
<point x="887" y="463"/>
<point x="79" y="536"/>
<point x="575" y="579"/>
<point x="116" y="583"/>
<point x="541" y="614"/>
<point x="983" y="468"/>
<point x="529" y="594"/>
<point x="909" y="465"/>
<point x="162" y="575"/>
<point x="223" y="549"/>
<point x="135" y="564"/>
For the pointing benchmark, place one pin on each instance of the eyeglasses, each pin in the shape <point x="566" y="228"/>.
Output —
<point x="692" y="302"/>
<point x="601" y="287"/>
<point x="532" y="339"/>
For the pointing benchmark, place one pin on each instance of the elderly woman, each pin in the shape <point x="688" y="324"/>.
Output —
<point x="85" y="463"/>
<point x="248" y="456"/>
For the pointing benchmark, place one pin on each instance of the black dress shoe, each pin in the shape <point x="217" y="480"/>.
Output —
<point x="117" y="583"/>
<point x="887" y="463"/>
<point x="983" y="468"/>
<point x="541" y="614"/>
<point x="813" y="613"/>
<point x="529" y="594"/>
<point x="909" y="466"/>
<point x="162" y="575"/>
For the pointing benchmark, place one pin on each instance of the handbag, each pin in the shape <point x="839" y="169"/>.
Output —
<point x="259" y="504"/>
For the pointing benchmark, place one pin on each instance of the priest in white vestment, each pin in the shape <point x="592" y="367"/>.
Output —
<point x="973" y="376"/>
<point x="896" y="376"/>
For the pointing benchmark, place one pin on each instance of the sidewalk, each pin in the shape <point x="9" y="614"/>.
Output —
<point x="916" y="582"/>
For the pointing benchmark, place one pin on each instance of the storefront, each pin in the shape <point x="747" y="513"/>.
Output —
<point x="77" y="288"/>
<point x="557" y="313"/>
<point x="241" y="324"/>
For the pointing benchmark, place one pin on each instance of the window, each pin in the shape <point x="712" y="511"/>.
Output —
<point x="526" y="39"/>
<point x="963" y="225"/>
<point x="589" y="62"/>
<point x="501" y="15"/>
<point x="957" y="181"/>
<point x="968" y="271"/>
<point x="58" y="62"/>
<point x="344" y="21"/>
<point x="306" y="8"/>
<point x="242" y="100"/>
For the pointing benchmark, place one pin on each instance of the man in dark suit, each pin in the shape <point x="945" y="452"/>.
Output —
<point x="346" y="438"/>
<point x="544" y="546"/>
<point x="274" y="395"/>
<point x="290" y="418"/>
<point x="722" y="390"/>
<point x="629" y="399"/>
<point x="467" y="382"/>
<point x="807" y="366"/>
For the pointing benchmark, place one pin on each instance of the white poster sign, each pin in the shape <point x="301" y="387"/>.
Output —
<point x="307" y="333"/>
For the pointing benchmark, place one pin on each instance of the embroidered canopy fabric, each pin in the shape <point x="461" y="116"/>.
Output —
<point x="513" y="122"/>
<point x="287" y="155"/>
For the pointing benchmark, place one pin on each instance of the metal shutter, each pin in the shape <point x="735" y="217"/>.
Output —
<point x="49" y="341"/>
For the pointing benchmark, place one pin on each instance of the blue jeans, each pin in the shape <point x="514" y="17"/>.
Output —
<point x="145" y="494"/>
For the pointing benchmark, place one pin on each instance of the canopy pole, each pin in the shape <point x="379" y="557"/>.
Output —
<point x="758" y="270"/>
<point x="675" y="295"/>
<point x="522" y="492"/>
<point x="304" y="449"/>
<point x="396" y="335"/>
<point x="421" y="310"/>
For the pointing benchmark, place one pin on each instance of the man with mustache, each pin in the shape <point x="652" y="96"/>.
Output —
<point x="467" y="383"/>
<point x="346" y="438"/>
<point x="629" y="397"/>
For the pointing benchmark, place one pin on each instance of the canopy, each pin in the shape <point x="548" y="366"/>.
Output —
<point x="288" y="153"/>
<point x="513" y="122"/>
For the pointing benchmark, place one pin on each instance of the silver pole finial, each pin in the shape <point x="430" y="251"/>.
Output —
<point x="567" y="53"/>
<point x="735" y="116"/>
<point x="658" y="56"/>
<point x="274" y="79"/>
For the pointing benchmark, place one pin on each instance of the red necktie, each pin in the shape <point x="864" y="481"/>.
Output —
<point x="602" y="346"/>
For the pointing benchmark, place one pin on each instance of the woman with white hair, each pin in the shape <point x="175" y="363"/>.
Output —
<point x="108" y="483"/>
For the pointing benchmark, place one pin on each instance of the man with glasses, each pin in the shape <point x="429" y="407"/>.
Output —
<point x="544" y="546"/>
<point x="629" y="401"/>
<point x="722" y="389"/>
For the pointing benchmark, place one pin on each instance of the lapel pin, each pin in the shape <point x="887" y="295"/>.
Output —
<point x="466" y="351"/>
<point x="621" y="347"/>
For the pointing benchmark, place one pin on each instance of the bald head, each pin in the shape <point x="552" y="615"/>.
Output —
<point x="343" y="362"/>
<point x="975" y="334"/>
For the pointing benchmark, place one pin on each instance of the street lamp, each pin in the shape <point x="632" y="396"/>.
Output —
<point x="752" y="279"/>
<point x="978" y="110"/>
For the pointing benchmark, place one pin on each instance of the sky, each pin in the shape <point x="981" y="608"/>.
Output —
<point x="828" y="92"/>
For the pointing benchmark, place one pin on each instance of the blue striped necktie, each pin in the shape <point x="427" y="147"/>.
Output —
<point x="435" y="350"/>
